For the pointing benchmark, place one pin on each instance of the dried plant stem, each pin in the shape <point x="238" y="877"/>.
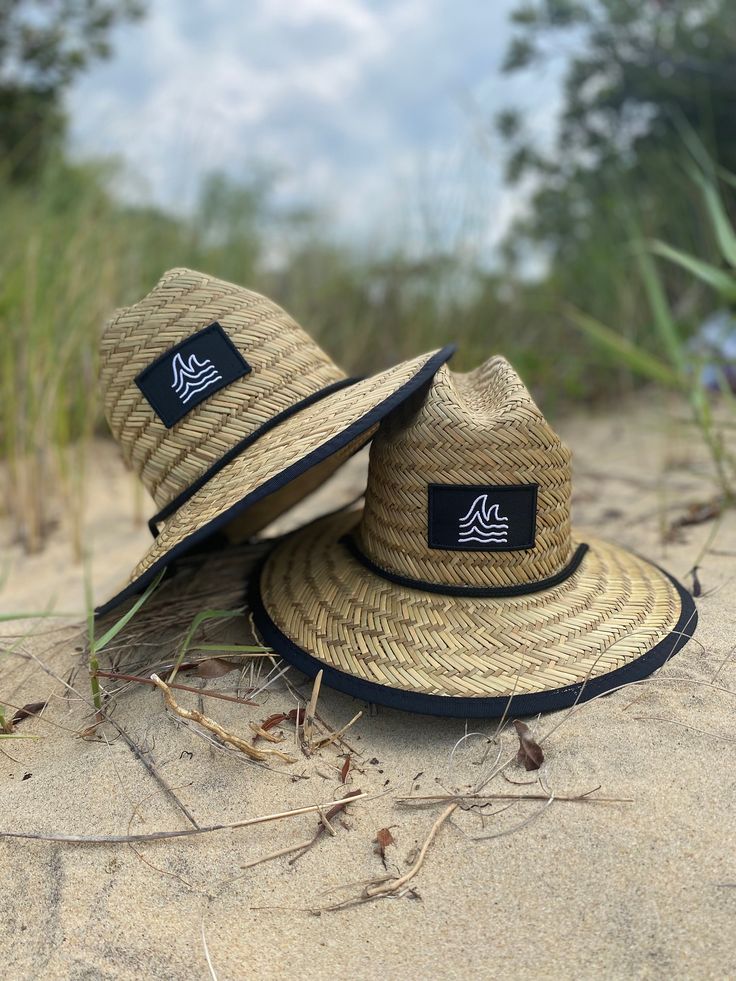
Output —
<point x="324" y="825"/>
<point x="192" y="715"/>
<point x="210" y="966"/>
<point x="326" y="725"/>
<point x="278" y="854"/>
<point x="684" y="725"/>
<point x="337" y="734"/>
<point x="461" y="798"/>
<point x="165" y="835"/>
<point x="196" y="691"/>
<point x="308" y="727"/>
<point x="395" y="885"/>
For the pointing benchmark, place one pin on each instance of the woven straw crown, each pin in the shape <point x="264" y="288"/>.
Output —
<point x="287" y="366"/>
<point x="477" y="428"/>
<point x="461" y="588"/>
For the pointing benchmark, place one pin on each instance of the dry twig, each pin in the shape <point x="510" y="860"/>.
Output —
<point x="192" y="715"/>
<point x="165" y="835"/>
<point x="308" y="727"/>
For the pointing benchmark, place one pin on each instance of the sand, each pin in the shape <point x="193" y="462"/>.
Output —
<point x="643" y="889"/>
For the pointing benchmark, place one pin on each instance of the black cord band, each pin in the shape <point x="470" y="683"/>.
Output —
<point x="236" y="450"/>
<point x="472" y="592"/>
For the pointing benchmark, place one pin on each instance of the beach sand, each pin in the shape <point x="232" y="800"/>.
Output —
<point x="644" y="887"/>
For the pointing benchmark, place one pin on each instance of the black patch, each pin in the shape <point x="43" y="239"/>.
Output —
<point x="482" y="518"/>
<point x="191" y="372"/>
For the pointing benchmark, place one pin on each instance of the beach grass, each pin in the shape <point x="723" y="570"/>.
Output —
<point x="73" y="252"/>
<point x="698" y="371"/>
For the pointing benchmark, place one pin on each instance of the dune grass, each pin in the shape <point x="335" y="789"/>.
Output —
<point x="680" y="364"/>
<point x="72" y="252"/>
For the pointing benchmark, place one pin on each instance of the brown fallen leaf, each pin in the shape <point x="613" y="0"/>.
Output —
<point x="296" y="716"/>
<point x="383" y="839"/>
<point x="29" y="710"/>
<point x="345" y="769"/>
<point x="530" y="753"/>
<point x="214" y="667"/>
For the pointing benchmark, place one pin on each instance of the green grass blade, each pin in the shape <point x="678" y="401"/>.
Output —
<point x="198" y="620"/>
<point x="127" y="617"/>
<point x="722" y="228"/>
<point x="722" y="282"/>
<point x="625" y="351"/>
<point x="663" y="320"/>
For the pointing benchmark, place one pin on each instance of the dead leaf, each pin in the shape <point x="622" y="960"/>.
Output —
<point x="345" y="769"/>
<point x="29" y="710"/>
<point x="273" y="720"/>
<point x="214" y="667"/>
<point x="296" y="716"/>
<point x="530" y="753"/>
<point x="383" y="839"/>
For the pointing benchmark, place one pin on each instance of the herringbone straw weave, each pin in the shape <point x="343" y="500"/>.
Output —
<point x="287" y="367"/>
<point x="478" y="428"/>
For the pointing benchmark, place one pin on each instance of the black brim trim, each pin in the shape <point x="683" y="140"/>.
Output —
<point x="468" y="592"/>
<point x="472" y="708"/>
<point x="342" y="439"/>
<point x="243" y="445"/>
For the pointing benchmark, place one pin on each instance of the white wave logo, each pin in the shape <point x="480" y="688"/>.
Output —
<point x="193" y="376"/>
<point x="483" y="524"/>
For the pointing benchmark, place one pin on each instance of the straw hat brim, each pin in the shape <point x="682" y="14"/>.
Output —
<point x="311" y="442"/>
<point x="613" y="621"/>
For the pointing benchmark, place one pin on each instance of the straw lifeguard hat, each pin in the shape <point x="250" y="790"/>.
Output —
<point x="229" y="412"/>
<point x="461" y="588"/>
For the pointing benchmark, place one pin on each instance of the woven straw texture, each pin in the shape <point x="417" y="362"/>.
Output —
<point x="283" y="447"/>
<point x="287" y="366"/>
<point x="481" y="427"/>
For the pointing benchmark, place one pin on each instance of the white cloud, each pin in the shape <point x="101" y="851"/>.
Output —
<point x="345" y="98"/>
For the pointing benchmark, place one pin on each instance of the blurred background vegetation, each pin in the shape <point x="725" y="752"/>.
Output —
<point x="643" y="77"/>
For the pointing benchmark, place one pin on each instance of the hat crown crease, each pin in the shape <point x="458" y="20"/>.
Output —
<point x="475" y="430"/>
<point x="286" y="367"/>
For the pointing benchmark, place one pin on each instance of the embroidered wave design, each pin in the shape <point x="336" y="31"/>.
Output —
<point x="483" y="524"/>
<point x="193" y="376"/>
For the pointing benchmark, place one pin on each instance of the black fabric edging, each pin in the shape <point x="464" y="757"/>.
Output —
<point x="423" y="376"/>
<point x="473" y="708"/>
<point x="236" y="450"/>
<point x="469" y="592"/>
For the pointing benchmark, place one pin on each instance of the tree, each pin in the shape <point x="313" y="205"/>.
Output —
<point x="43" y="47"/>
<point x="638" y="69"/>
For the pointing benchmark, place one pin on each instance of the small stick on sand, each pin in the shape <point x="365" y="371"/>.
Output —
<point x="192" y="715"/>
<point x="308" y="727"/>
<point x="196" y="691"/>
<point x="394" y="885"/>
<point x="278" y="854"/>
<point x="337" y="808"/>
<point x="337" y="734"/>
<point x="185" y="833"/>
<point x="461" y="798"/>
<point x="326" y="725"/>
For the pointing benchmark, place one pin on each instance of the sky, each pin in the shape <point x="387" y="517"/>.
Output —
<point x="376" y="113"/>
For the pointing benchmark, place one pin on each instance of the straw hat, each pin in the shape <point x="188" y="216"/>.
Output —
<point x="226" y="409"/>
<point x="461" y="588"/>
